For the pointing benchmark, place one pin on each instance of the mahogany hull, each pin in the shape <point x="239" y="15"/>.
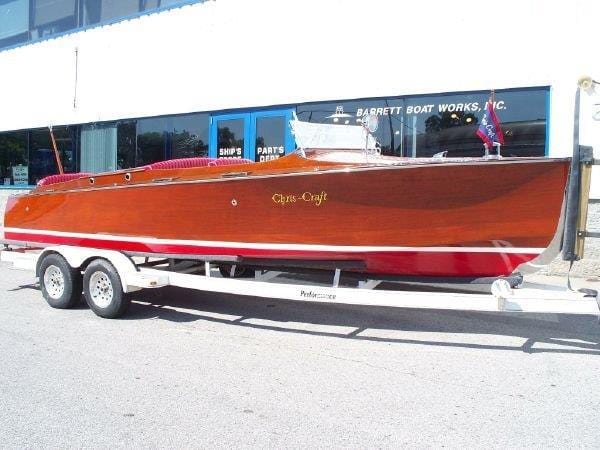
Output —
<point x="451" y="219"/>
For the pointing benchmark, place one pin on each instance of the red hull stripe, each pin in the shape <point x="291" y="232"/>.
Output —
<point x="433" y="261"/>
<point x="150" y="241"/>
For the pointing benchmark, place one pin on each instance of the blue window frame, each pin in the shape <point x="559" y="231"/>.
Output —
<point x="225" y="139"/>
<point x="271" y="138"/>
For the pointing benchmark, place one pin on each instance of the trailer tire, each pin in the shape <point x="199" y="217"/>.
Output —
<point x="60" y="283"/>
<point x="103" y="290"/>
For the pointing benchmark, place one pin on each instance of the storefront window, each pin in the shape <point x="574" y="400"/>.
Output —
<point x="14" y="167"/>
<point x="415" y="126"/>
<point x="449" y="122"/>
<point x="189" y="135"/>
<point x="126" y="144"/>
<point x="42" y="161"/>
<point x="151" y="140"/>
<point x="421" y="126"/>
<point x="98" y="148"/>
<point x="390" y="112"/>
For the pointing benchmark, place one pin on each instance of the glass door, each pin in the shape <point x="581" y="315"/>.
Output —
<point x="271" y="135"/>
<point x="258" y="136"/>
<point x="230" y="136"/>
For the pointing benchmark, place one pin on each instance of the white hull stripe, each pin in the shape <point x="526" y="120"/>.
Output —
<point x="275" y="246"/>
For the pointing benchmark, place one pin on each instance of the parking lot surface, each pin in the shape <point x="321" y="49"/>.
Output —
<point x="194" y="369"/>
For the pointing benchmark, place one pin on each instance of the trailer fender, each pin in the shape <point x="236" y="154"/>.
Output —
<point x="79" y="258"/>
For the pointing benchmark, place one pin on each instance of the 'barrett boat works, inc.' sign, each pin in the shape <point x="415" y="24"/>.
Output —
<point x="430" y="108"/>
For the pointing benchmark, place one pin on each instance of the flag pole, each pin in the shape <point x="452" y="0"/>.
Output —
<point x="493" y="100"/>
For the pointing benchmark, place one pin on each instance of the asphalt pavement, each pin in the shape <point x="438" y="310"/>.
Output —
<point x="194" y="369"/>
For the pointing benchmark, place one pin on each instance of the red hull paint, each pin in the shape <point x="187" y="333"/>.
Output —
<point x="413" y="263"/>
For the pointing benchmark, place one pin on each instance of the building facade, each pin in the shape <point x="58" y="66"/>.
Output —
<point x="124" y="83"/>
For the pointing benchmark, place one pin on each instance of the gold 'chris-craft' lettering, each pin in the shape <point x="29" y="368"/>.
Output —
<point x="316" y="199"/>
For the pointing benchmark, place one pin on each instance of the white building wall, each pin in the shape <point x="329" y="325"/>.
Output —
<point x="237" y="53"/>
<point x="225" y="54"/>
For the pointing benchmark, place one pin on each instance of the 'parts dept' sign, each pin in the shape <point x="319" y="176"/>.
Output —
<point x="269" y="153"/>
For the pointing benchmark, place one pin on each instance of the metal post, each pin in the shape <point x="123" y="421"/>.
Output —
<point x="584" y="194"/>
<point x="336" y="278"/>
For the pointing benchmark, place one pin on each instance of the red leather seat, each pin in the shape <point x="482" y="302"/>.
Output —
<point x="229" y="161"/>
<point x="60" y="178"/>
<point x="181" y="163"/>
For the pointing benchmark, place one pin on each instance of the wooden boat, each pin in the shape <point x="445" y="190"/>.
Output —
<point x="446" y="217"/>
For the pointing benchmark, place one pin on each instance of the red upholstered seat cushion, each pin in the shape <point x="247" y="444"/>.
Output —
<point x="181" y="163"/>
<point x="53" y="179"/>
<point x="229" y="161"/>
<point x="200" y="161"/>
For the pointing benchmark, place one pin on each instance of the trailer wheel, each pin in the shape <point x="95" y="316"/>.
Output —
<point x="60" y="283"/>
<point x="103" y="290"/>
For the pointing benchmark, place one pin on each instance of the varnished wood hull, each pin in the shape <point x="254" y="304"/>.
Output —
<point x="475" y="218"/>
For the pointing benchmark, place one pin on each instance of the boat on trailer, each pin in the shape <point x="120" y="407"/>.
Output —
<point x="335" y="202"/>
<point x="374" y="217"/>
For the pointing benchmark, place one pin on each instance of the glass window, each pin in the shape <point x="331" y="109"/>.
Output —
<point x="390" y="111"/>
<point x="96" y="11"/>
<point x="449" y="123"/>
<point x="151" y="140"/>
<point x="270" y="138"/>
<point x="98" y="148"/>
<point x="420" y="126"/>
<point x="126" y="139"/>
<point x="189" y="135"/>
<point x="53" y="16"/>
<point x="42" y="161"/>
<point x="230" y="138"/>
<point x="14" y="163"/>
<point x="14" y="20"/>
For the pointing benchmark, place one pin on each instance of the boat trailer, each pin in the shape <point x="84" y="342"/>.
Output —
<point x="106" y="277"/>
<point x="109" y="276"/>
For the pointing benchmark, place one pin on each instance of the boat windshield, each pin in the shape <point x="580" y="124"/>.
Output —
<point x="328" y="136"/>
